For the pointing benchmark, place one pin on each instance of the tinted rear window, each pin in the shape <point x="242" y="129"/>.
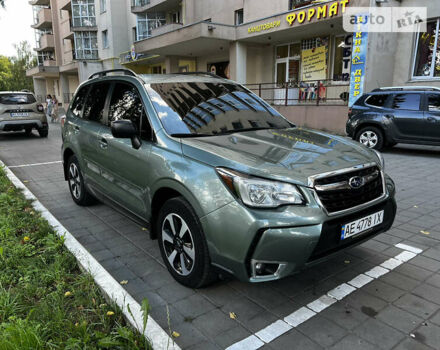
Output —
<point x="407" y="101"/>
<point x="17" y="99"/>
<point x="434" y="103"/>
<point x="376" y="100"/>
<point x="211" y="109"/>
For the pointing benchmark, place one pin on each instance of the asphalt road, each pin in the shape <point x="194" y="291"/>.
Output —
<point x="399" y="310"/>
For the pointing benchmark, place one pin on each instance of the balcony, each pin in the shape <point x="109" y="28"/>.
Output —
<point x="39" y="2"/>
<point x="44" y="19"/>
<point x="47" y="43"/>
<point x="49" y="63"/>
<point x="165" y="28"/>
<point x="45" y="71"/>
<point x="65" y="5"/>
<point x="142" y="6"/>
<point x="66" y="30"/>
<point x="84" y="24"/>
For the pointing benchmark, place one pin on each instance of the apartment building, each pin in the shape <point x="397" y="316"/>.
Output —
<point x="75" y="38"/>
<point x="294" y="53"/>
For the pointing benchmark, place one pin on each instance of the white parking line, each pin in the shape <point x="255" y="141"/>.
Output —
<point x="34" y="164"/>
<point x="278" y="328"/>
<point x="129" y="306"/>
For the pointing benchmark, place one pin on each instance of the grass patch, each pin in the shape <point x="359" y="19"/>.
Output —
<point x="46" y="301"/>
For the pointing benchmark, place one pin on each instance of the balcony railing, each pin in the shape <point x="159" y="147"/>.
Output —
<point x="136" y="3"/>
<point x="165" y="29"/>
<point x="47" y="42"/>
<point x="311" y="92"/>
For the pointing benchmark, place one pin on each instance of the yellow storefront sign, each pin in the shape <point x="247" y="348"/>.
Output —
<point x="314" y="66"/>
<point x="320" y="12"/>
<point x="265" y="26"/>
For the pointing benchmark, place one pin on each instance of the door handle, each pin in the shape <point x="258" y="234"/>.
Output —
<point x="76" y="129"/>
<point x="103" y="143"/>
<point x="431" y="119"/>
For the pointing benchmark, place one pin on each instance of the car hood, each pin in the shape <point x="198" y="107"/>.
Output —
<point x="290" y="155"/>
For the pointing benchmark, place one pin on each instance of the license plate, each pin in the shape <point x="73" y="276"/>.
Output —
<point x="20" y="114"/>
<point x="361" y="225"/>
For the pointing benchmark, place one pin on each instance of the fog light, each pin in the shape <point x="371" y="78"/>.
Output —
<point x="265" y="269"/>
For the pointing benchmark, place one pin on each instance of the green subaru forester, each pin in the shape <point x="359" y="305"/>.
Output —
<point x="226" y="183"/>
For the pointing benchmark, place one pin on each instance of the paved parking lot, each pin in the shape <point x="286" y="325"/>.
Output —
<point x="399" y="310"/>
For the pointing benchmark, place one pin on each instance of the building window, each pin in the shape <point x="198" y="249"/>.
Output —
<point x="140" y="2"/>
<point x="239" y="17"/>
<point x="86" y="45"/>
<point x="105" y="39"/>
<point x="83" y="13"/>
<point x="103" y="5"/>
<point x="427" y="52"/>
<point x="134" y="31"/>
<point x="147" y="22"/>
<point x="293" y="4"/>
<point x="176" y="17"/>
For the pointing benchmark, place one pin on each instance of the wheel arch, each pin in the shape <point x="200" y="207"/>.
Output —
<point x="68" y="152"/>
<point x="377" y="125"/>
<point x="168" y="190"/>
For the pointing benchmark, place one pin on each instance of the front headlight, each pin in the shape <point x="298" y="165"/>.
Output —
<point x="381" y="159"/>
<point x="260" y="193"/>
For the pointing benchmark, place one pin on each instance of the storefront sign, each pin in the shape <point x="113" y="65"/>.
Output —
<point x="358" y="58"/>
<point x="318" y="12"/>
<point x="314" y="65"/>
<point x="265" y="26"/>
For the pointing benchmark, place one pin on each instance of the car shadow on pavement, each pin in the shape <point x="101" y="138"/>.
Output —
<point x="414" y="150"/>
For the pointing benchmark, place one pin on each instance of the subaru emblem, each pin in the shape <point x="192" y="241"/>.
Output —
<point x="356" y="182"/>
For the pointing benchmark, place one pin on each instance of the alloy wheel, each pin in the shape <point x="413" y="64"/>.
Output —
<point x="178" y="244"/>
<point x="369" y="139"/>
<point x="75" y="181"/>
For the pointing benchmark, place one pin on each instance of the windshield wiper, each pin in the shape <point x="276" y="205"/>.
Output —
<point x="245" y="129"/>
<point x="182" y="135"/>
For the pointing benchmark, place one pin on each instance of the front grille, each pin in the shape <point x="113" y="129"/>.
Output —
<point x="343" y="196"/>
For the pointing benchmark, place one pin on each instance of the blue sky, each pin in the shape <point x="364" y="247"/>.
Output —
<point x="15" y="22"/>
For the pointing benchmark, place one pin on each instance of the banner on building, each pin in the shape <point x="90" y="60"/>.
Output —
<point x="314" y="66"/>
<point x="358" y="59"/>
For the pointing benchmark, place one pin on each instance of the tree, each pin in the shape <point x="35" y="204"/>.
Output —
<point x="22" y="61"/>
<point x="2" y="3"/>
<point x="5" y="73"/>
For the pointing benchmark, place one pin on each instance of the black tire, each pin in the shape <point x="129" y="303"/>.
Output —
<point x="28" y="131"/>
<point x="43" y="133"/>
<point x="197" y="272"/>
<point x="371" y="137"/>
<point x="75" y="180"/>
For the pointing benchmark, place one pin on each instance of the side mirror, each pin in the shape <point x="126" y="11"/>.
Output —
<point x="125" y="129"/>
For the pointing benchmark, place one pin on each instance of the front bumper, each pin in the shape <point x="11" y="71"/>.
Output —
<point x="238" y="238"/>
<point x="17" y="125"/>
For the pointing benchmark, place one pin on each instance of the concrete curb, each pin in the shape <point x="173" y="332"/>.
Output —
<point x="154" y="333"/>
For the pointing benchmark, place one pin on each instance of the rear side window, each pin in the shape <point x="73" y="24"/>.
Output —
<point x="95" y="103"/>
<point x="78" y="102"/>
<point x="126" y="104"/>
<point x="17" y="99"/>
<point x="434" y="103"/>
<point x="407" y="101"/>
<point x="376" y="100"/>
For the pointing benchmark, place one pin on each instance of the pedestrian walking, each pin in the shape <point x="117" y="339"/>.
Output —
<point x="49" y="107"/>
<point x="55" y="109"/>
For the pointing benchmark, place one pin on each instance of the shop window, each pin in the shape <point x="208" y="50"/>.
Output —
<point x="295" y="50"/>
<point x="427" y="54"/>
<point x="282" y="51"/>
<point x="342" y="58"/>
<point x="407" y="101"/>
<point x="239" y="17"/>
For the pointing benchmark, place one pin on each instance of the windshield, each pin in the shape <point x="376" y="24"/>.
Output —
<point x="207" y="109"/>
<point x="17" y="99"/>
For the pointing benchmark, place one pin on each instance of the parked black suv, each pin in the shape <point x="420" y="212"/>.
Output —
<point x="387" y="116"/>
